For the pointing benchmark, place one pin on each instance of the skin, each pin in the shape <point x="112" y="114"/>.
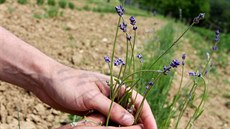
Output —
<point x="64" y="88"/>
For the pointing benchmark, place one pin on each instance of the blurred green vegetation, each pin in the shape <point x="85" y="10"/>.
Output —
<point x="108" y="7"/>
<point x="2" y="1"/>
<point x="62" y="3"/>
<point x="203" y="40"/>
<point x="71" y="5"/>
<point x="51" y="2"/>
<point x="217" y="11"/>
<point x="40" y="2"/>
<point x="22" y="1"/>
<point x="159" y="102"/>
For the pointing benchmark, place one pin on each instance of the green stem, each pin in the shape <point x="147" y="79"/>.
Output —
<point x="199" y="108"/>
<point x="126" y="58"/>
<point x="134" y="42"/>
<point x="136" y="72"/>
<point x="174" y="43"/>
<point x="137" y="115"/>
<point x="206" y="65"/>
<point x="19" y="126"/>
<point x="111" y="72"/>
<point x="119" y="85"/>
<point x="185" y="104"/>
<point x="176" y="97"/>
<point x="131" y="59"/>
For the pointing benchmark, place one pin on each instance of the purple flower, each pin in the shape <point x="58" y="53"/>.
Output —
<point x="197" y="19"/>
<point x="215" y="48"/>
<point x="128" y="37"/>
<point x="201" y="16"/>
<point x="107" y="59"/>
<point x="216" y="40"/>
<point x="183" y="63"/>
<point x="217" y="36"/>
<point x="139" y="56"/>
<point x="206" y="72"/>
<point x="184" y="56"/>
<point x="123" y="26"/>
<point x="195" y="74"/>
<point x="217" y="32"/>
<point x="134" y="27"/>
<point x="192" y="73"/>
<point x="120" y="10"/>
<point x="166" y="69"/>
<point x="150" y="83"/>
<point x="118" y="62"/>
<point x="132" y="20"/>
<point x="175" y="63"/>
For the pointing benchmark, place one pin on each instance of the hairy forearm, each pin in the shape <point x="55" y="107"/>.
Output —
<point x="22" y="64"/>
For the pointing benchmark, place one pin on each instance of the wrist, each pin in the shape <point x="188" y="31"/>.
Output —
<point x="22" y="64"/>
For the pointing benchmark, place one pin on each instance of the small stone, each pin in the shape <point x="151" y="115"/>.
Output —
<point x="76" y="59"/>
<point x="227" y="104"/>
<point x="27" y="125"/>
<point x="55" y="112"/>
<point x="9" y="119"/>
<point x="34" y="118"/>
<point x="3" y="113"/>
<point x="105" y="40"/>
<point x="40" y="109"/>
<point x="50" y="118"/>
<point x="2" y="88"/>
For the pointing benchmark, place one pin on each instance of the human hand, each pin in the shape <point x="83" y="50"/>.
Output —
<point x="78" y="92"/>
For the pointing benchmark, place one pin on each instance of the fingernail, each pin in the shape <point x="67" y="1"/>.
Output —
<point x="128" y="119"/>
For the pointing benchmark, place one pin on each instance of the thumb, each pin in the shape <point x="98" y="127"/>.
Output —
<point x="118" y="114"/>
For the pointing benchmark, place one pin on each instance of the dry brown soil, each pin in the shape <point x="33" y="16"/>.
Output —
<point x="78" y="39"/>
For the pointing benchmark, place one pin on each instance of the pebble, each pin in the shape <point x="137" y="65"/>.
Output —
<point x="105" y="40"/>
<point x="50" y="118"/>
<point x="76" y="59"/>
<point x="34" y="118"/>
<point x="27" y="125"/>
<point x="55" y="112"/>
<point x="2" y="88"/>
<point x="3" y="113"/>
<point x="40" y="109"/>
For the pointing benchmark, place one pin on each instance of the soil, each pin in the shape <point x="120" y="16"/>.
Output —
<point x="80" y="39"/>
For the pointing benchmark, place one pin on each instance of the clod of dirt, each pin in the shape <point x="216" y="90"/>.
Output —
<point x="40" y="109"/>
<point x="3" y="114"/>
<point x="28" y="125"/>
<point x="2" y="88"/>
<point x="227" y="104"/>
<point x="76" y="59"/>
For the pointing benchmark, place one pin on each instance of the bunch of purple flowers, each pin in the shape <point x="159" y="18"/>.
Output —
<point x="128" y="71"/>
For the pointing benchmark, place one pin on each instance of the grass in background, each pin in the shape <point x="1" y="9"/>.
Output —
<point x="207" y="37"/>
<point x="51" y="2"/>
<point x="2" y="1"/>
<point x="53" y="12"/>
<point x="159" y="94"/>
<point x="71" y="5"/>
<point x="40" y="2"/>
<point x="62" y="3"/>
<point x="103" y="6"/>
<point x="22" y="1"/>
